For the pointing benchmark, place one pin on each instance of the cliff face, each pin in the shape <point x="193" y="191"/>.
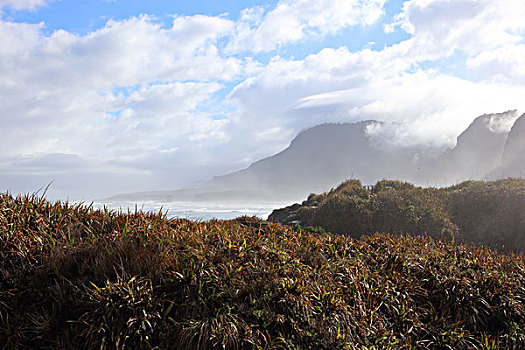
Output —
<point x="512" y="162"/>
<point x="480" y="146"/>
<point x="514" y="153"/>
<point x="478" y="151"/>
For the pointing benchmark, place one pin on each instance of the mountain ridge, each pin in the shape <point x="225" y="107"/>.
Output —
<point x="323" y="156"/>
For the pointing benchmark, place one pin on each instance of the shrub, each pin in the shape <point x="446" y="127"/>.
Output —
<point x="484" y="213"/>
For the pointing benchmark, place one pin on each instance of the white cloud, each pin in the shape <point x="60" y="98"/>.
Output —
<point x="429" y="108"/>
<point x="506" y="64"/>
<point x="286" y="82"/>
<point x="154" y="128"/>
<point x="123" y="93"/>
<point x="162" y="117"/>
<point x="138" y="50"/>
<point x="439" y="27"/>
<point x="23" y="4"/>
<point x="295" y="20"/>
<point x="16" y="40"/>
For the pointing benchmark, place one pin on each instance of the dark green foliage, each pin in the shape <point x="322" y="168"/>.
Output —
<point x="484" y="213"/>
<point x="72" y="277"/>
<point x="490" y="213"/>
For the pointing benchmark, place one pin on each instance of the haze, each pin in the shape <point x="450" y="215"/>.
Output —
<point x="107" y="97"/>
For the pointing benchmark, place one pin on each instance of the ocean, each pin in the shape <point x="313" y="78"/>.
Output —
<point x="194" y="210"/>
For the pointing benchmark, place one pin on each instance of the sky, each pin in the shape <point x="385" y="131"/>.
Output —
<point x="112" y="96"/>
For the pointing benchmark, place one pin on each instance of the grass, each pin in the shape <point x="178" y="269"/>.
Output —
<point x="75" y="277"/>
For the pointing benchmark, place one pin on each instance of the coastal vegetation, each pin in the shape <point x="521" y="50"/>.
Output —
<point x="75" y="277"/>
<point x="489" y="213"/>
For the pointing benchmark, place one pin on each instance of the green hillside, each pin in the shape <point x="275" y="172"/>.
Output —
<point x="488" y="213"/>
<point x="72" y="277"/>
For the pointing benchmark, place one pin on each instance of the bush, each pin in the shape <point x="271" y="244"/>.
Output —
<point x="484" y="213"/>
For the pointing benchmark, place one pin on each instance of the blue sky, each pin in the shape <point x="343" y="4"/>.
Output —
<point x="103" y="97"/>
<point x="83" y="16"/>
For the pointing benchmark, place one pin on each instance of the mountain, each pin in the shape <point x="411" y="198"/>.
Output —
<point x="513" y="159"/>
<point x="318" y="158"/>
<point x="323" y="156"/>
<point x="478" y="151"/>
